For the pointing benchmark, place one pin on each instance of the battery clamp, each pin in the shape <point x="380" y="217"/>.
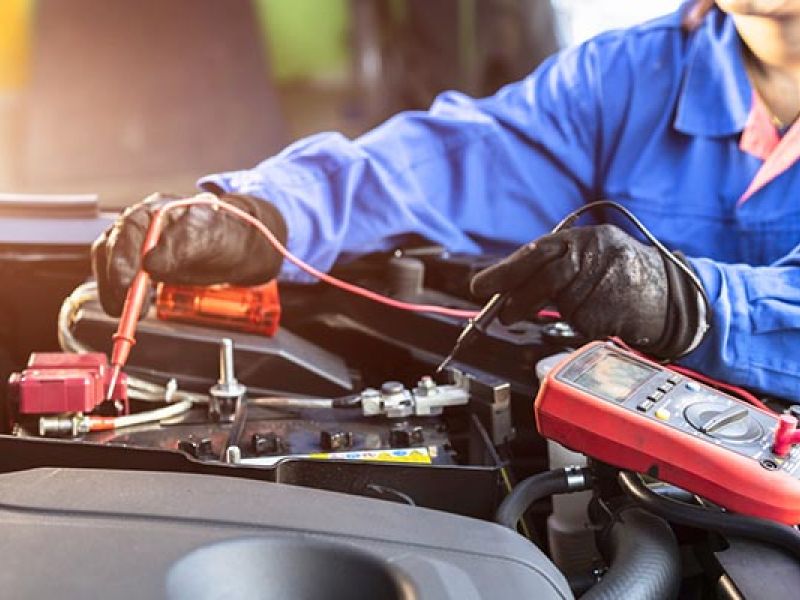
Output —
<point x="625" y="410"/>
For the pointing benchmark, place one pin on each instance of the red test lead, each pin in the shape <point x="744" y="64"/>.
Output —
<point x="124" y="337"/>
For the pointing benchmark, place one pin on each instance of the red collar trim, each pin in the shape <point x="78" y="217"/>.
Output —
<point x="761" y="139"/>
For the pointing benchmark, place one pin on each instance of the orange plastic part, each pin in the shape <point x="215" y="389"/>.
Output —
<point x="251" y="309"/>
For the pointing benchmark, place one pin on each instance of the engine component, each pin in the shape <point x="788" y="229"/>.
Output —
<point x="228" y="392"/>
<point x="335" y="440"/>
<point x="297" y="391"/>
<point x="251" y="309"/>
<point x="405" y="275"/>
<point x="56" y="382"/>
<point x="632" y="413"/>
<point x="79" y="424"/>
<point x="777" y="534"/>
<point x="427" y="399"/>
<point x="570" y="533"/>
<point x="469" y="489"/>
<point x="385" y="344"/>
<point x="563" y="335"/>
<point x="190" y="353"/>
<point x="305" y="425"/>
<point x="63" y="426"/>
<point x="536" y="487"/>
<point x="273" y="541"/>
<point x="196" y="448"/>
<point x="402" y="435"/>
<point x="643" y="558"/>
<point x="266" y="443"/>
<point x="744" y="564"/>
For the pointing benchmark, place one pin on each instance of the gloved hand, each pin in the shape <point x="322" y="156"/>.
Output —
<point x="605" y="283"/>
<point x="198" y="246"/>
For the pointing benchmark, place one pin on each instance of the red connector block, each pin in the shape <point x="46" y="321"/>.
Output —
<point x="56" y="382"/>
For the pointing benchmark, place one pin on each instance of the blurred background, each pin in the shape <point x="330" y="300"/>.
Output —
<point x="118" y="98"/>
<point x="123" y="97"/>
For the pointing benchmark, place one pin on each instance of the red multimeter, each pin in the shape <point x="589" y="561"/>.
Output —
<point x="634" y="414"/>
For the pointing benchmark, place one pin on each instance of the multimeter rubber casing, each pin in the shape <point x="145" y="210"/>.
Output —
<point x="624" y="410"/>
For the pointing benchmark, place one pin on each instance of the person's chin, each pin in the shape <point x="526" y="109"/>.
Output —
<point x="766" y="8"/>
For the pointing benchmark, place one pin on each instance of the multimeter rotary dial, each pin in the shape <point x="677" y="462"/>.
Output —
<point x="723" y="421"/>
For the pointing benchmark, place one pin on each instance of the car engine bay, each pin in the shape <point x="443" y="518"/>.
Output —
<point x="233" y="462"/>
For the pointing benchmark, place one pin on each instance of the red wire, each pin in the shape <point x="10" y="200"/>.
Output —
<point x="742" y="393"/>
<point x="549" y="314"/>
<point x="429" y="308"/>
<point x="329" y="279"/>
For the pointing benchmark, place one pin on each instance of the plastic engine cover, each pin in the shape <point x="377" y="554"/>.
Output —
<point x="176" y="536"/>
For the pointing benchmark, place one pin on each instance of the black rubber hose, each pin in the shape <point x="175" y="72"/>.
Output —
<point x="753" y="528"/>
<point x="643" y="556"/>
<point x="536" y="487"/>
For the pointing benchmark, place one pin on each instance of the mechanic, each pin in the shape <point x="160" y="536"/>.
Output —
<point x="685" y="120"/>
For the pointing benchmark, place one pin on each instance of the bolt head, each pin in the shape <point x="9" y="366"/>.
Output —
<point x="265" y="443"/>
<point x="427" y="382"/>
<point x="392" y="387"/>
<point x="335" y="440"/>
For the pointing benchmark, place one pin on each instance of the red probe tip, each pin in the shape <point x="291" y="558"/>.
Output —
<point x="112" y="382"/>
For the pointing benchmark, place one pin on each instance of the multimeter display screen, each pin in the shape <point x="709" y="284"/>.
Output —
<point x="614" y="377"/>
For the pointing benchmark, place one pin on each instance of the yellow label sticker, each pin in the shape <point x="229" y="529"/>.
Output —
<point x="398" y="455"/>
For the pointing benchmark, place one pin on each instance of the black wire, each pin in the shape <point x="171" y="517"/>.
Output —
<point x="699" y="517"/>
<point x="383" y="490"/>
<point x="570" y="219"/>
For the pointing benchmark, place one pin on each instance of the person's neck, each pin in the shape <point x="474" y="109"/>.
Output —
<point x="772" y="56"/>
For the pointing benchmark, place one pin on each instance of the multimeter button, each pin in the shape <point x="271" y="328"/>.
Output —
<point x="665" y="387"/>
<point x="674" y="379"/>
<point x="656" y="396"/>
<point x="662" y="414"/>
<point x="645" y="405"/>
<point x="692" y="386"/>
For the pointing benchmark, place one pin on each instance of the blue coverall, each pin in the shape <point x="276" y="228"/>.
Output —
<point x="650" y="117"/>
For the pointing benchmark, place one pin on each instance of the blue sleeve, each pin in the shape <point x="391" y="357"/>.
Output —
<point x="755" y="330"/>
<point x="471" y="175"/>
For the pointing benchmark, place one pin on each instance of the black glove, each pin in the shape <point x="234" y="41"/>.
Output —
<point x="605" y="283"/>
<point x="198" y="246"/>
